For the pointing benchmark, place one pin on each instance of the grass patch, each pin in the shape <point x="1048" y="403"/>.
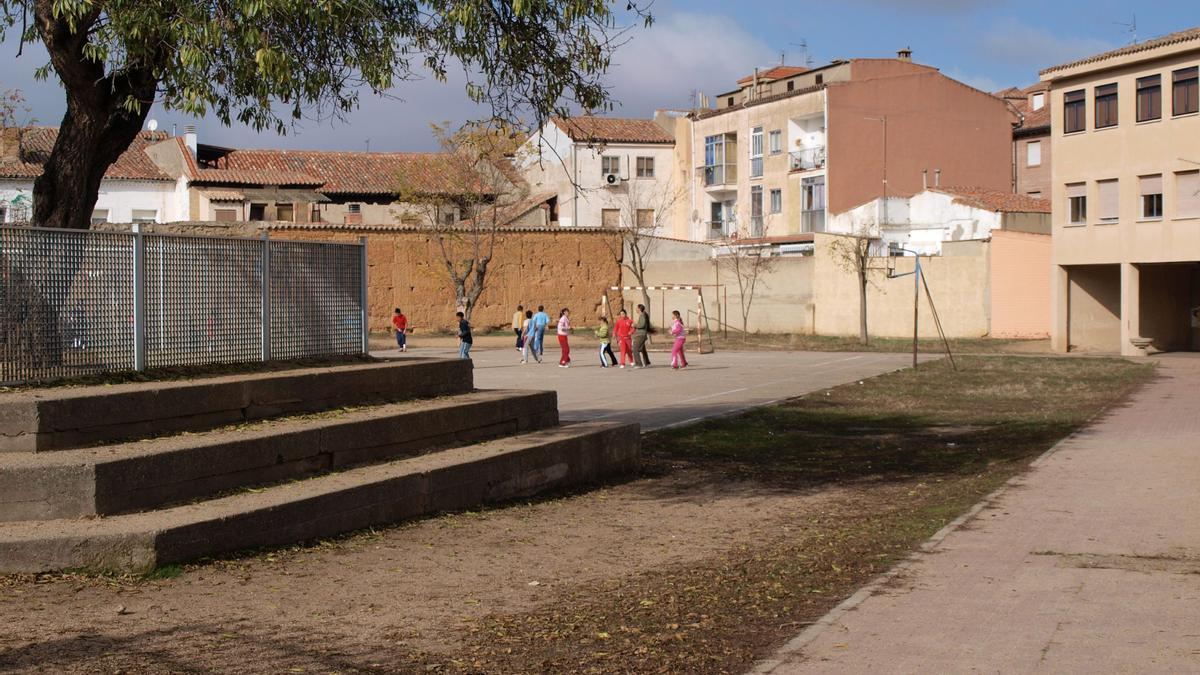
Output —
<point x="908" y="452"/>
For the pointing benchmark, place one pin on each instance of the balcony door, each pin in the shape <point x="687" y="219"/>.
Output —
<point x="812" y="204"/>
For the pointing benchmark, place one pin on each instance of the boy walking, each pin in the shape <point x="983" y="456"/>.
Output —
<point x="518" y="322"/>
<point x="540" y="321"/>
<point x="464" y="336"/>
<point x="400" y="323"/>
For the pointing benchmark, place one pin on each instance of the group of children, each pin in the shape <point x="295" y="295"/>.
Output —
<point x="530" y="329"/>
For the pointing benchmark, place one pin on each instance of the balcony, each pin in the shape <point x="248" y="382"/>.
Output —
<point x="807" y="159"/>
<point x="718" y="176"/>
<point x="812" y="221"/>
<point x="716" y="229"/>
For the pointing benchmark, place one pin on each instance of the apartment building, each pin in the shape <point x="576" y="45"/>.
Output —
<point x="604" y="170"/>
<point x="1031" y="139"/>
<point x="791" y="145"/>
<point x="1126" y="198"/>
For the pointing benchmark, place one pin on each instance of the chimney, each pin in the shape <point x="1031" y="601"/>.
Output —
<point x="924" y="179"/>
<point x="189" y="138"/>
<point x="937" y="177"/>
<point x="905" y="54"/>
<point x="10" y="144"/>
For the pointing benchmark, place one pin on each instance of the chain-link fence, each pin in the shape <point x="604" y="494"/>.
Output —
<point x="78" y="303"/>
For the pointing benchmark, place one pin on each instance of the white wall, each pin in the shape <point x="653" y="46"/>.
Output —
<point x="120" y="198"/>
<point x="921" y="222"/>
<point x="16" y="196"/>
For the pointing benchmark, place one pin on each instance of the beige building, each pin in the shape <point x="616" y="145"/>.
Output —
<point x="1126" y="198"/>
<point x="792" y="145"/>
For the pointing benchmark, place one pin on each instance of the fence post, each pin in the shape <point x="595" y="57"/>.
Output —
<point x="366" y="336"/>
<point x="139" y="298"/>
<point x="266" y="296"/>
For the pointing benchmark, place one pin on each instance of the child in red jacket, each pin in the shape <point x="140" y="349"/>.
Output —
<point x="623" y="329"/>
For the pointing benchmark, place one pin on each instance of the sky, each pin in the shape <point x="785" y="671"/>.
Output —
<point x="706" y="45"/>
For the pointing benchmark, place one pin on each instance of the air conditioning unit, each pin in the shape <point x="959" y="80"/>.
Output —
<point x="611" y="179"/>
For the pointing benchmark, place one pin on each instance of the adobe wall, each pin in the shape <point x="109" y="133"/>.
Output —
<point x="553" y="267"/>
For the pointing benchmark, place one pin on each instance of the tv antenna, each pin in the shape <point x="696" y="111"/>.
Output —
<point x="806" y="59"/>
<point x="1130" y="28"/>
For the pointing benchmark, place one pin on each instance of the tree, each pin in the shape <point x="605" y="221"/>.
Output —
<point x="478" y="198"/>
<point x="852" y="253"/>
<point x="643" y="209"/>
<point x="264" y="62"/>
<point x="748" y="264"/>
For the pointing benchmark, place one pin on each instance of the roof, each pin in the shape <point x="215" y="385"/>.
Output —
<point x="37" y="143"/>
<point x="713" y="112"/>
<point x="995" y="200"/>
<point x="776" y="73"/>
<point x="1166" y="40"/>
<point x="333" y="172"/>
<point x="1032" y="121"/>
<point x="590" y="129"/>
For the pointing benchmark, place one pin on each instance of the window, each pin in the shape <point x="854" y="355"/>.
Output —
<point x="756" y="211"/>
<point x="1039" y="100"/>
<point x="1185" y="90"/>
<point x="1077" y="202"/>
<point x="820" y="78"/>
<point x="645" y="219"/>
<point x="4" y="215"/>
<point x="1187" y="194"/>
<point x="145" y="215"/>
<point x="285" y="213"/>
<point x="720" y="153"/>
<point x="610" y="218"/>
<point x="812" y="204"/>
<point x="756" y="152"/>
<point x="1152" y="198"/>
<point x="225" y="215"/>
<point x="791" y="85"/>
<point x="1149" y="98"/>
<point x="610" y="164"/>
<point x="1108" y="194"/>
<point x="258" y="211"/>
<point x="315" y="216"/>
<point x="776" y="201"/>
<point x="775" y="141"/>
<point x="1074" y="103"/>
<point x="1106" y="106"/>
<point x="350" y="208"/>
<point x="98" y="216"/>
<point x="730" y="101"/>
<point x="1033" y="153"/>
<point x="645" y="167"/>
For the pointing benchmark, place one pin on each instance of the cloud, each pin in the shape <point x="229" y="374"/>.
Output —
<point x="1018" y="44"/>
<point x="980" y="82"/>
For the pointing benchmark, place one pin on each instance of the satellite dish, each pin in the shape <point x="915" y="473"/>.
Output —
<point x="152" y="125"/>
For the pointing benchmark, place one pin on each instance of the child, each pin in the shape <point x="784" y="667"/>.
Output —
<point x="400" y="323"/>
<point x="606" y="352"/>
<point x="518" y="319"/>
<point x="464" y="336"/>
<point x="564" y="332"/>
<point x="527" y="332"/>
<point x="679" y="332"/>
<point x="624" y="332"/>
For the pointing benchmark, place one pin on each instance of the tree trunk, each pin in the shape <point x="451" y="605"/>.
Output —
<point x="862" y="304"/>
<point x="89" y="141"/>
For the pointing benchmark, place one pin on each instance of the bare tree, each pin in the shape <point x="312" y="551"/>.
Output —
<point x="748" y="263"/>
<point x="644" y="208"/>
<point x="479" y="196"/>
<point x="852" y="253"/>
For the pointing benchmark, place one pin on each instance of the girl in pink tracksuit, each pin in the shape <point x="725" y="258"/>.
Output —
<point x="678" y="359"/>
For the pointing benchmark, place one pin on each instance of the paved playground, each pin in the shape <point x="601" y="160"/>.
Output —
<point x="1090" y="562"/>
<point x="713" y="384"/>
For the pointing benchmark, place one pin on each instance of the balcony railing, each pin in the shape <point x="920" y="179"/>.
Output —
<point x="717" y="229"/>
<point x="807" y="159"/>
<point x="719" y="174"/>
<point x="812" y="221"/>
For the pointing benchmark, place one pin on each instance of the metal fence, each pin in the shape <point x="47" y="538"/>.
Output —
<point x="77" y="303"/>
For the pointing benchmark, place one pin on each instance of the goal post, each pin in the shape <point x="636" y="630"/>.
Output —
<point x="703" y="334"/>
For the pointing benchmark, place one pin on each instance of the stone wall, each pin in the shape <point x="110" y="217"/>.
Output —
<point x="554" y="267"/>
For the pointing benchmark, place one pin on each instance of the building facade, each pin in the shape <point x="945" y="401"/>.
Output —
<point x="1032" y="153"/>
<point x="605" y="171"/>
<point x="792" y="146"/>
<point x="1126" y="198"/>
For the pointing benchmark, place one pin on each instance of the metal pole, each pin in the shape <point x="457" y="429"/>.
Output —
<point x="366" y="336"/>
<point x="916" y="299"/>
<point x="266" y="296"/>
<point x="139" y="298"/>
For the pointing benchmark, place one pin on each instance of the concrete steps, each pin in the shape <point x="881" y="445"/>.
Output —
<point x="452" y="479"/>
<point x="328" y="450"/>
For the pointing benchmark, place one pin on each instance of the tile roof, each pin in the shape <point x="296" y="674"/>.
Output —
<point x="1173" y="38"/>
<point x="374" y="173"/>
<point x="590" y="129"/>
<point x="133" y="164"/>
<point x="1032" y="121"/>
<point x="776" y="73"/>
<point x="995" y="200"/>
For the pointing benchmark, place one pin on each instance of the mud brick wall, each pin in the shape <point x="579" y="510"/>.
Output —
<point x="552" y="267"/>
